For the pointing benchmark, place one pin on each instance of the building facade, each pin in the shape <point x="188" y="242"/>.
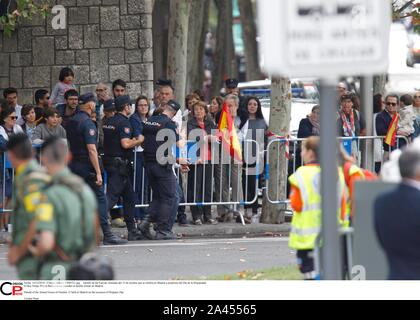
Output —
<point x="103" y="40"/>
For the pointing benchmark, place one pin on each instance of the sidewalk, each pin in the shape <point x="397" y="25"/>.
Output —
<point x="222" y="230"/>
<point x="226" y="230"/>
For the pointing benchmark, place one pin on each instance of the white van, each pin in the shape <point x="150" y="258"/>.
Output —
<point x="305" y="96"/>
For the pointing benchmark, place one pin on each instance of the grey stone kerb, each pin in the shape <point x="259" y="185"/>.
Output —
<point x="103" y="40"/>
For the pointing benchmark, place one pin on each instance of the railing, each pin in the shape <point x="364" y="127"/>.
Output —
<point x="232" y="184"/>
<point x="353" y="145"/>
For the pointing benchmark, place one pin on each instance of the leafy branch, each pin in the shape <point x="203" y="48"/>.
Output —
<point x="411" y="9"/>
<point x="25" y="10"/>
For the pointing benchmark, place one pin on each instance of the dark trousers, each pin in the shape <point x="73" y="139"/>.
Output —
<point x="87" y="173"/>
<point x="181" y="209"/>
<point x="120" y="186"/>
<point x="199" y="190"/>
<point x="141" y="187"/>
<point x="306" y="262"/>
<point x="162" y="180"/>
<point x="249" y="186"/>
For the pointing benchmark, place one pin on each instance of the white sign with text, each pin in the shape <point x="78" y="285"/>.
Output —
<point x="324" y="38"/>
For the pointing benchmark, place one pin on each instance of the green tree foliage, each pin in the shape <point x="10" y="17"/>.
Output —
<point x="24" y="10"/>
<point x="406" y="9"/>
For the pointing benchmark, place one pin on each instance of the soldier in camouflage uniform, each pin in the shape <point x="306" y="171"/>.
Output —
<point x="67" y="222"/>
<point x="29" y="182"/>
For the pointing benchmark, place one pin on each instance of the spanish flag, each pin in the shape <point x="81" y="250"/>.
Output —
<point x="228" y="134"/>
<point x="391" y="137"/>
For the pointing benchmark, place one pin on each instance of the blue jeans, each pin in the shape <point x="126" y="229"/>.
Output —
<point x="179" y="196"/>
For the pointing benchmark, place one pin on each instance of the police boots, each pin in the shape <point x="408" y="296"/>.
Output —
<point x="145" y="228"/>
<point x="135" y="235"/>
<point x="110" y="239"/>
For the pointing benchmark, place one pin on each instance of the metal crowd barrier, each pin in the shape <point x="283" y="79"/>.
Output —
<point x="294" y="160"/>
<point x="229" y="181"/>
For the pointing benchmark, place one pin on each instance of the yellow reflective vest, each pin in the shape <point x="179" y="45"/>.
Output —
<point x="306" y="225"/>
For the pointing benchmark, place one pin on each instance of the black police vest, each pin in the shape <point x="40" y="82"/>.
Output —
<point x="75" y="136"/>
<point x="150" y="131"/>
<point x="112" y="141"/>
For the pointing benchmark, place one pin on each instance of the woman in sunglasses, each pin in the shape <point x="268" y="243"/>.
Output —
<point x="8" y="127"/>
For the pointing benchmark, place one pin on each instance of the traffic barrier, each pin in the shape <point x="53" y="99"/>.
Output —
<point x="289" y="150"/>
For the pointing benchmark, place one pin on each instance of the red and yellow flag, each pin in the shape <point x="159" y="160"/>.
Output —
<point x="391" y="137"/>
<point x="228" y="134"/>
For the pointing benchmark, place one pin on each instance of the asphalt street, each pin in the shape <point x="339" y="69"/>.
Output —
<point x="187" y="259"/>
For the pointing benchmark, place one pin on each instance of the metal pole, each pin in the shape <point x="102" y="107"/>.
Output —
<point x="367" y="114"/>
<point x="331" y="261"/>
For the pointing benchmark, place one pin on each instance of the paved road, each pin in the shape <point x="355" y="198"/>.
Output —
<point x="188" y="258"/>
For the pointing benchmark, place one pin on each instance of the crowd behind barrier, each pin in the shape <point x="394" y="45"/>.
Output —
<point x="254" y="174"/>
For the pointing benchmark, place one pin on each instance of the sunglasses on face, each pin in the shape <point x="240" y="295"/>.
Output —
<point x="13" y="118"/>
<point x="416" y="97"/>
<point x="391" y="104"/>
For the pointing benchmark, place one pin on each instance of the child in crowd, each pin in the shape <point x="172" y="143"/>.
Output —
<point x="66" y="83"/>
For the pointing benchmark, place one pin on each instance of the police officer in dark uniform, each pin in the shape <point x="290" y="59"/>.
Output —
<point x="82" y="136"/>
<point x="119" y="147"/>
<point x="160" y="173"/>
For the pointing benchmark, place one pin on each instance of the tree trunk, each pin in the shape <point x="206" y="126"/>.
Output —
<point x="224" y="60"/>
<point x="160" y="38"/>
<point x="249" y="35"/>
<point x="280" y="116"/>
<point x="177" y="45"/>
<point x="232" y="67"/>
<point x="197" y="29"/>
<point x="379" y="83"/>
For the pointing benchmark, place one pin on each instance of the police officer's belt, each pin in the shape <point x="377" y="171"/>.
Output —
<point x="116" y="161"/>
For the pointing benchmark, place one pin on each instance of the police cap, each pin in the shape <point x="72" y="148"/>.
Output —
<point x="86" y="98"/>
<point x="121" y="102"/>
<point x="164" y="82"/>
<point x="109" y="105"/>
<point x="232" y="83"/>
<point x="174" y="105"/>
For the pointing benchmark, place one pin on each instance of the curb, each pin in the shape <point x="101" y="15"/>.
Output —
<point x="226" y="230"/>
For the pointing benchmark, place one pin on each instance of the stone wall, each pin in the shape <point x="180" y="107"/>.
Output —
<point x="104" y="40"/>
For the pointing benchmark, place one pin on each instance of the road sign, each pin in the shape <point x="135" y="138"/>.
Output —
<point x="324" y="38"/>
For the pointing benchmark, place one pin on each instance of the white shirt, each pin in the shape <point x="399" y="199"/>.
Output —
<point x="16" y="129"/>
<point x="18" y="110"/>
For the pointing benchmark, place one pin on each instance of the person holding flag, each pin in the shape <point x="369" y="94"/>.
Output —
<point x="387" y="125"/>
<point x="229" y="171"/>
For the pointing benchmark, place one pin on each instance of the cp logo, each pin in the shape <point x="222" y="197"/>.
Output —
<point x="10" y="289"/>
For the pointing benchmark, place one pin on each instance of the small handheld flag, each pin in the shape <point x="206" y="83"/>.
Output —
<point x="228" y="134"/>
<point x="391" y="137"/>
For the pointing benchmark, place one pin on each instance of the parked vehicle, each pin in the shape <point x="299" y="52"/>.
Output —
<point x="305" y="94"/>
<point x="413" y="55"/>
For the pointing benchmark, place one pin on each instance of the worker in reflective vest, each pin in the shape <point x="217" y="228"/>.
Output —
<point x="352" y="174"/>
<point x="305" y="198"/>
